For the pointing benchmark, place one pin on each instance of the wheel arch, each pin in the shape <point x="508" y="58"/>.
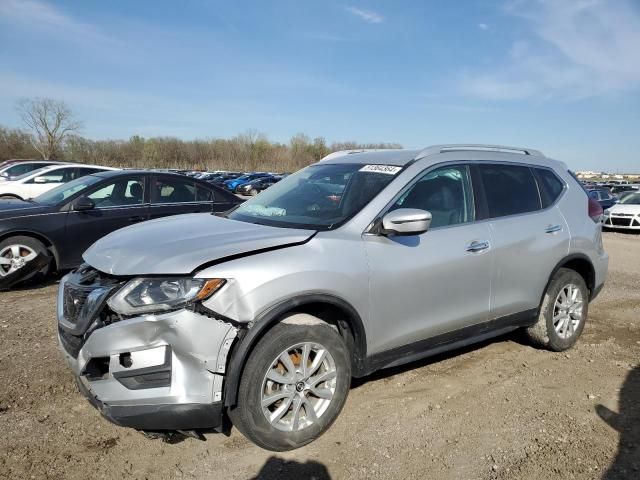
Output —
<point x="38" y="236"/>
<point x="580" y="264"/>
<point x="330" y="308"/>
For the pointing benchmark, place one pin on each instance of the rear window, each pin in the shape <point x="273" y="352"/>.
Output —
<point x="550" y="185"/>
<point x="509" y="189"/>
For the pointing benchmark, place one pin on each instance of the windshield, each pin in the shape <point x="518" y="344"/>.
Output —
<point x="633" y="199"/>
<point x="319" y="197"/>
<point x="61" y="193"/>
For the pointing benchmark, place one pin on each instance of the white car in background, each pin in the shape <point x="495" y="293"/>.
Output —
<point x="34" y="183"/>
<point x="15" y="169"/>
<point x="625" y="214"/>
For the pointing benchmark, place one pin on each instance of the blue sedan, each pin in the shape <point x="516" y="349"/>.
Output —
<point x="234" y="183"/>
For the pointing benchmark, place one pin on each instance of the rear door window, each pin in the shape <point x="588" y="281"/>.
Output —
<point x="509" y="189"/>
<point x="203" y="194"/>
<point x="173" y="190"/>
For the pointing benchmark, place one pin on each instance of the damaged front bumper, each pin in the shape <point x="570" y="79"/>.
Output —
<point x="153" y="372"/>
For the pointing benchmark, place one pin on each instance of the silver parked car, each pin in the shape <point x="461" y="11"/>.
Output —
<point x="362" y="261"/>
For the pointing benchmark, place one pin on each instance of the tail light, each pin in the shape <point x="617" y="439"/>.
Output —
<point x="595" y="210"/>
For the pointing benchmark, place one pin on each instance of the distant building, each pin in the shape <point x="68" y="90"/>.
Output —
<point x="587" y="174"/>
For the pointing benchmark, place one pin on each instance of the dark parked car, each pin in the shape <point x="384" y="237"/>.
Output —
<point x="256" y="186"/>
<point x="222" y="178"/>
<point x="603" y="196"/>
<point x="61" y="224"/>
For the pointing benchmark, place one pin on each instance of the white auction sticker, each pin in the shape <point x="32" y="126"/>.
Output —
<point x="388" y="169"/>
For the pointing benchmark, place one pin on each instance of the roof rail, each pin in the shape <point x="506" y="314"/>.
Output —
<point x="343" y="153"/>
<point x="434" y="149"/>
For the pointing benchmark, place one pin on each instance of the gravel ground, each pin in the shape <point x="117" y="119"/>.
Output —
<point x="498" y="410"/>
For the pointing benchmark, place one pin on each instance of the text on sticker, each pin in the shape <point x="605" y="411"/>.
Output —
<point x="388" y="169"/>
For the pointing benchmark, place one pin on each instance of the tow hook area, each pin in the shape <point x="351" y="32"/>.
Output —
<point x="173" y="437"/>
<point x="177" y="436"/>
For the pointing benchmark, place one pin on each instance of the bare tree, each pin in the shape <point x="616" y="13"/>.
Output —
<point x="50" y="122"/>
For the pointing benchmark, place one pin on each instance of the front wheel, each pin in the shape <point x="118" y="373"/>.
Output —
<point x="16" y="253"/>
<point x="294" y="384"/>
<point x="563" y="312"/>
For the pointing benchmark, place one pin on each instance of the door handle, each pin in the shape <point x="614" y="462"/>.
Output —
<point x="553" y="228"/>
<point x="136" y="219"/>
<point x="477" y="246"/>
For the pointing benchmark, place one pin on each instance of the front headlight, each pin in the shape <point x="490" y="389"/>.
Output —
<point x="144" y="295"/>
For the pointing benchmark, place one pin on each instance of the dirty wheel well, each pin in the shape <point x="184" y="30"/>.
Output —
<point x="325" y="307"/>
<point x="333" y="315"/>
<point x="583" y="267"/>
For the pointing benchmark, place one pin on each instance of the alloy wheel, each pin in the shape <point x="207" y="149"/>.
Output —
<point x="568" y="311"/>
<point x="298" y="386"/>
<point x="14" y="257"/>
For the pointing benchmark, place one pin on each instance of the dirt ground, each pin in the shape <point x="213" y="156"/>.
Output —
<point x="499" y="410"/>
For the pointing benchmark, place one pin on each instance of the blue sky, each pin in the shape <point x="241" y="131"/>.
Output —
<point x="562" y="76"/>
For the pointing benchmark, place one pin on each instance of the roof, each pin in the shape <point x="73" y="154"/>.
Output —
<point x="401" y="157"/>
<point x="136" y="171"/>
<point x="397" y="157"/>
<point x="56" y="166"/>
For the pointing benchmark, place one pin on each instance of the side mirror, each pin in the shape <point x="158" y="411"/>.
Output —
<point x="83" y="203"/>
<point x="406" y="221"/>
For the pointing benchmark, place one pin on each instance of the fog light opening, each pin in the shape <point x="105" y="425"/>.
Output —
<point x="125" y="360"/>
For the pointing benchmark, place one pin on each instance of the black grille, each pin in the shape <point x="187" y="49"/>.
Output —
<point x="82" y="311"/>
<point x="74" y="299"/>
<point x="621" y="222"/>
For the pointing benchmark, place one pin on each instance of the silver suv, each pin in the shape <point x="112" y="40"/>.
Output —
<point x="362" y="261"/>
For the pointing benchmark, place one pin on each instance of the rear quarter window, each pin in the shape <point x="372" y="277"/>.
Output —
<point x="551" y="187"/>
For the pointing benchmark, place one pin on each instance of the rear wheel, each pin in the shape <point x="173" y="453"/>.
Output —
<point x="563" y="312"/>
<point x="17" y="252"/>
<point x="294" y="384"/>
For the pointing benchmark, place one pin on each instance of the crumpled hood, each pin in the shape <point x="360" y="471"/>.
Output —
<point x="181" y="244"/>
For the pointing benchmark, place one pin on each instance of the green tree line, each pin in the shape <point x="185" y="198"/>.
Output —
<point x="245" y="152"/>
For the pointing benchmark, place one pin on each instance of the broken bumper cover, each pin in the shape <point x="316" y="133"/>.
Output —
<point x="161" y="371"/>
<point x="159" y="417"/>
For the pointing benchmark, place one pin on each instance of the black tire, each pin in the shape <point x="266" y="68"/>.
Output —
<point x="248" y="416"/>
<point x="35" y="245"/>
<point x="543" y="333"/>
